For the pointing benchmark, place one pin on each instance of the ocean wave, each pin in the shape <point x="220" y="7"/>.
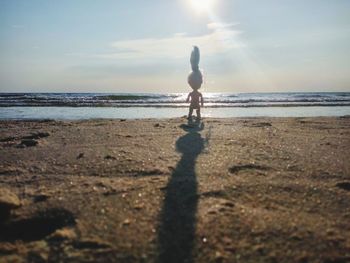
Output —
<point x="128" y="97"/>
<point x="173" y="105"/>
<point x="173" y="99"/>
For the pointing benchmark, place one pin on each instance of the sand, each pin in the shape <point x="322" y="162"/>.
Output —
<point x="224" y="190"/>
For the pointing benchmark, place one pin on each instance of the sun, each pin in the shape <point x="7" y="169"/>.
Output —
<point x="202" y="6"/>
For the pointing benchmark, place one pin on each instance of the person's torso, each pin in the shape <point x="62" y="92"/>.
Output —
<point x="195" y="97"/>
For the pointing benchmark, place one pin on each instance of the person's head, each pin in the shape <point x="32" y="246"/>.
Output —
<point x="195" y="80"/>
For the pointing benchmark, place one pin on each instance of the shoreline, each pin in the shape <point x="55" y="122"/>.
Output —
<point x="80" y="113"/>
<point x="226" y="189"/>
<point x="170" y="119"/>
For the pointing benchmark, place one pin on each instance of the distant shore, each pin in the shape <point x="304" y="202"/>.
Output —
<point x="166" y="190"/>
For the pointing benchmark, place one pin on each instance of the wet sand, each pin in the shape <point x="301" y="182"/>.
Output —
<point x="224" y="190"/>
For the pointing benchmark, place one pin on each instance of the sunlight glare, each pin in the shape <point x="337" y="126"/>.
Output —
<point x="202" y="6"/>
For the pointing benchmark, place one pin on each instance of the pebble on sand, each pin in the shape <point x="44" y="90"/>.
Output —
<point x="64" y="233"/>
<point x="81" y="155"/>
<point x="8" y="201"/>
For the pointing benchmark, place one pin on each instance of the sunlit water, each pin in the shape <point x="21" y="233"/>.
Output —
<point x="174" y="100"/>
<point x="75" y="106"/>
<point x="78" y="113"/>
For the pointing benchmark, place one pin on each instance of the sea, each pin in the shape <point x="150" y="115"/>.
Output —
<point x="76" y="106"/>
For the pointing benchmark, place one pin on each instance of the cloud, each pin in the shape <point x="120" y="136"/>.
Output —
<point x="221" y="38"/>
<point x="221" y="26"/>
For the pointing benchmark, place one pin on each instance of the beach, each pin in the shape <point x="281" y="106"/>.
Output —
<point x="166" y="190"/>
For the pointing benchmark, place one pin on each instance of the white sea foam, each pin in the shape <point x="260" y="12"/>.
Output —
<point x="174" y="100"/>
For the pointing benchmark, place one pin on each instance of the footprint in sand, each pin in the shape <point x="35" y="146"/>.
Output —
<point x="344" y="185"/>
<point x="262" y="124"/>
<point x="37" y="227"/>
<point x="215" y="194"/>
<point x="8" y="139"/>
<point x="32" y="140"/>
<point x="238" y="168"/>
<point x="257" y="124"/>
<point x="220" y="206"/>
<point x="37" y="135"/>
<point x="91" y="244"/>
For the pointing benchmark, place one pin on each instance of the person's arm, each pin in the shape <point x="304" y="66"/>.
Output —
<point x="202" y="101"/>
<point x="188" y="97"/>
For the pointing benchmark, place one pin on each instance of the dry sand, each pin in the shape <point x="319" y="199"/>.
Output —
<point x="226" y="190"/>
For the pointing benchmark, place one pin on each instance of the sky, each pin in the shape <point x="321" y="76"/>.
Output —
<point x="144" y="46"/>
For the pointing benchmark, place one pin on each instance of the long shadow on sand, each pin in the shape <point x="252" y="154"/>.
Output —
<point x="176" y="233"/>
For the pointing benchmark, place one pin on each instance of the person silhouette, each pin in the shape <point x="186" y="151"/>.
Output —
<point x="195" y="80"/>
